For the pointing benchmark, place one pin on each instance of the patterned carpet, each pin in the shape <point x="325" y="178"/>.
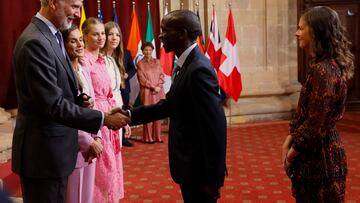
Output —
<point x="255" y="168"/>
<point x="254" y="164"/>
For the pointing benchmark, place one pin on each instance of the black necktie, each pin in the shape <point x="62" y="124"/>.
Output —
<point x="175" y="72"/>
<point x="61" y="42"/>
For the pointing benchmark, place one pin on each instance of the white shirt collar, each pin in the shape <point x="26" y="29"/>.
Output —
<point x="181" y="60"/>
<point x="51" y="26"/>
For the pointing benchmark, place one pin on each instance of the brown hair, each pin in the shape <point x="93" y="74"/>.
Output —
<point x="147" y="44"/>
<point x="329" y="38"/>
<point x="118" y="53"/>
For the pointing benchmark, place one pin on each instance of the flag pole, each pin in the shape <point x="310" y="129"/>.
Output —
<point x="230" y="116"/>
<point x="99" y="5"/>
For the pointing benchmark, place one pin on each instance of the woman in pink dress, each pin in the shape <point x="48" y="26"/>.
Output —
<point x="81" y="181"/>
<point x="151" y="79"/>
<point x="109" y="186"/>
<point x="113" y="55"/>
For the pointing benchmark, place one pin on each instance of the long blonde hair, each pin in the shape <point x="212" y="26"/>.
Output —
<point x="118" y="53"/>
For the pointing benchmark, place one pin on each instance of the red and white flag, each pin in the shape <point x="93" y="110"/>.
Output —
<point x="167" y="63"/>
<point x="213" y="51"/>
<point x="229" y="70"/>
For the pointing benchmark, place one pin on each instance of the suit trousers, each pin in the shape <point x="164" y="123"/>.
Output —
<point x="126" y="98"/>
<point x="43" y="190"/>
<point x="195" y="193"/>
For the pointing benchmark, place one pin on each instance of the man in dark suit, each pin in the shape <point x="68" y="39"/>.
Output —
<point x="197" y="132"/>
<point x="125" y="92"/>
<point x="45" y="142"/>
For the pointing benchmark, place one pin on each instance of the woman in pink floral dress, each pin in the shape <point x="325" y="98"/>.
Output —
<point x="109" y="187"/>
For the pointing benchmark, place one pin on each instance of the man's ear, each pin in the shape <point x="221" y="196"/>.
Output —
<point x="51" y="4"/>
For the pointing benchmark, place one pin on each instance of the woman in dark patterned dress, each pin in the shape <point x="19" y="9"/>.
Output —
<point x="314" y="155"/>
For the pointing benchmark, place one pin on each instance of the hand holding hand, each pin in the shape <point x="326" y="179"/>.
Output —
<point x="289" y="159"/>
<point x="95" y="150"/>
<point x="119" y="110"/>
<point x="88" y="102"/>
<point x="115" y="121"/>
<point x="84" y="100"/>
<point x="286" y="146"/>
<point x="157" y="89"/>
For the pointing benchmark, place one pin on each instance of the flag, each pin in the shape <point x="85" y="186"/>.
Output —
<point x="200" y="38"/>
<point x="114" y="14"/>
<point x="134" y="46"/>
<point x="150" y="33"/>
<point x="82" y="18"/>
<point x="99" y="15"/>
<point x="213" y="51"/>
<point x="229" y="71"/>
<point x="167" y="63"/>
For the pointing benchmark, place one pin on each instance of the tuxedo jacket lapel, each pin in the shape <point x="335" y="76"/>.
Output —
<point x="183" y="69"/>
<point x="65" y="61"/>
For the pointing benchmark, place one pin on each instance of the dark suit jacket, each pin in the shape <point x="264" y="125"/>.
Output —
<point x="197" y="132"/>
<point x="45" y="142"/>
<point x="130" y="70"/>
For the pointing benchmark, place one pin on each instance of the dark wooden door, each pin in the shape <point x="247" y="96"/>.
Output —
<point x="349" y="14"/>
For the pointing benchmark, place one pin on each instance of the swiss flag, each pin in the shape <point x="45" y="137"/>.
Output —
<point x="213" y="51"/>
<point x="167" y="63"/>
<point x="229" y="70"/>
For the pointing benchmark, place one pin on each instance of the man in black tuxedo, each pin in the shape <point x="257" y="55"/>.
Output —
<point x="45" y="142"/>
<point x="197" y="132"/>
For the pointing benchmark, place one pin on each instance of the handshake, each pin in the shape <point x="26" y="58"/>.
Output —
<point x="116" y="118"/>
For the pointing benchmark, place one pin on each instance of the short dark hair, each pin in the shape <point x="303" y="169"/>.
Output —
<point x="146" y="44"/>
<point x="185" y="20"/>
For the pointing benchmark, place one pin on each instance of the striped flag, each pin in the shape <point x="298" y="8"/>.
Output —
<point x="82" y="18"/>
<point x="150" y="32"/>
<point x="167" y="63"/>
<point x="134" y="46"/>
<point x="200" y="38"/>
<point x="99" y="14"/>
<point x="213" y="51"/>
<point x="114" y="14"/>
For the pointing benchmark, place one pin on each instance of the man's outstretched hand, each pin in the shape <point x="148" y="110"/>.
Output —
<point x="115" y="121"/>
<point x="119" y="110"/>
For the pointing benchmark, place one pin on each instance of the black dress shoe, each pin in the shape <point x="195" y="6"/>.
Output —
<point x="127" y="143"/>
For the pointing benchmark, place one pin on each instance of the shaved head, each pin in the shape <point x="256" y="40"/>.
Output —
<point x="184" y="20"/>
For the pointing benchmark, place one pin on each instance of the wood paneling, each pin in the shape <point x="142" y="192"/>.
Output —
<point x="348" y="11"/>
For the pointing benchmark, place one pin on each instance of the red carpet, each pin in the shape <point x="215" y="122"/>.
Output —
<point x="255" y="168"/>
<point x="254" y="164"/>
